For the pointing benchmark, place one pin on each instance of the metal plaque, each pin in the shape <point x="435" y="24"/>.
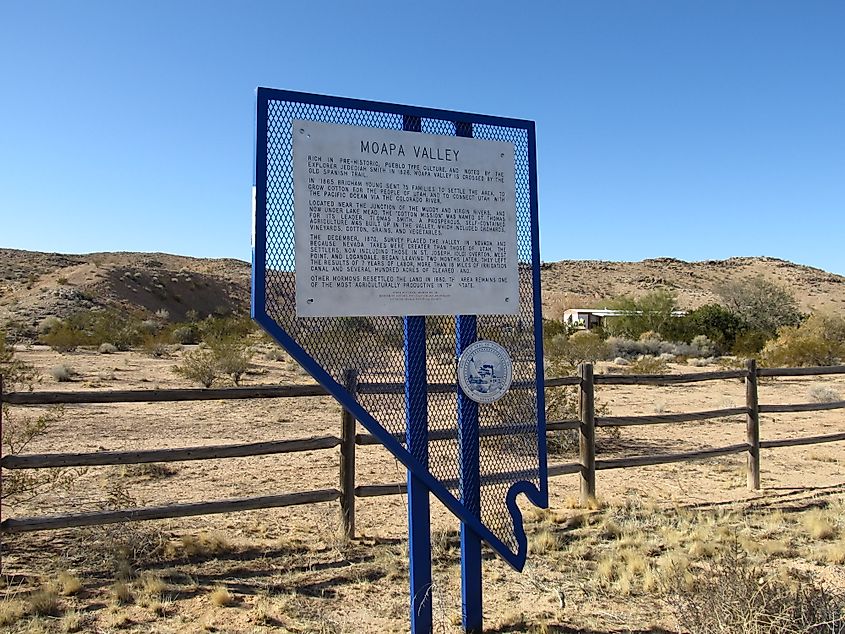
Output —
<point x="485" y="371"/>
<point x="402" y="223"/>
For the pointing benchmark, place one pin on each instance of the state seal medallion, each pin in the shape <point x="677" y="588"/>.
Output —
<point x="485" y="371"/>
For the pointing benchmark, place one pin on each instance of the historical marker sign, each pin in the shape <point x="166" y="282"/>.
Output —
<point x="402" y="223"/>
<point x="391" y="241"/>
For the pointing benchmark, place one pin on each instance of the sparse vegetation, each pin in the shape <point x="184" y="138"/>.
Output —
<point x="198" y="365"/>
<point x="819" y="340"/>
<point x="824" y="394"/>
<point x="62" y="373"/>
<point x="737" y="596"/>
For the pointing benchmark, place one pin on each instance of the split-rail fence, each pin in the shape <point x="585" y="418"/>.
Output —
<point x="347" y="492"/>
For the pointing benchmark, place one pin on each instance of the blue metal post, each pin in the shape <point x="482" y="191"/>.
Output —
<point x="416" y="439"/>
<point x="470" y="482"/>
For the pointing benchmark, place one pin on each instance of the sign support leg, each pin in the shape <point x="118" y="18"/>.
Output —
<point x="470" y="482"/>
<point x="416" y="438"/>
<point x="470" y="491"/>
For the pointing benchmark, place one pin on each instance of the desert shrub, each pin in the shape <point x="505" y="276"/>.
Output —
<point x="651" y="312"/>
<point x="91" y="328"/>
<point x="156" y="345"/>
<point x="19" y="430"/>
<point x="64" y="338"/>
<point x="16" y="374"/>
<point x="232" y="357"/>
<point x="735" y="596"/>
<point x="107" y="348"/>
<point x="186" y="334"/>
<point x="820" y="340"/>
<point x="564" y="353"/>
<point x="649" y="344"/>
<point x="275" y="354"/>
<point x="647" y="365"/>
<point x="226" y="327"/>
<point x="702" y="347"/>
<point x="762" y="305"/>
<point x="62" y="373"/>
<point x="562" y="403"/>
<point x="47" y="324"/>
<point x="824" y="394"/>
<point x="554" y="327"/>
<point x="700" y="363"/>
<point x="149" y="327"/>
<point x="198" y="365"/>
<point x="749" y="343"/>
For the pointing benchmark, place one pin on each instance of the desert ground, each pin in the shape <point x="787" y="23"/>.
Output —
<point x="617" y="565"/>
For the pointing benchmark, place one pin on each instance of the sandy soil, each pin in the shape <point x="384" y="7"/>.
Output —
<point x="296" y="553"/>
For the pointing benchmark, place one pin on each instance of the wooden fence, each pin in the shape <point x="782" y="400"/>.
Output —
<point x="346" y="494"/>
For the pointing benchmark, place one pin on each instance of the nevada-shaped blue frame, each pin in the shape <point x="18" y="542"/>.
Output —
<point x="537" y="496"/>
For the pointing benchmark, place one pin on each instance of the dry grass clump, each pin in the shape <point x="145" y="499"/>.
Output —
<point x="820" y="524"/>
<point x="11" y="611"/>
<point x="121" y="593"/>
<point x="204" y="544"/>
<point x="736" y="597"/>
<point x="72" y="621"/>
<point x="69" y="584"/>
<point x="221" y="597"/>
<point x="543" y="541"/>
<point x="149" y="588"/>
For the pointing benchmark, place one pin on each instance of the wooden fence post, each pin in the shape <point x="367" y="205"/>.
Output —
<point x="347" y="459"/>
<point x="587" y="433"/>
<point x="752" y="425"/>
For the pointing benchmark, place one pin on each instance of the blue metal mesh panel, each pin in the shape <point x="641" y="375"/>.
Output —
<point x="373" y="346"/>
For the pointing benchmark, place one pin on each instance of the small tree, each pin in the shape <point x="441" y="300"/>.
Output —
<point x="762" y="305"/>
<point x="719" y="324"/>
<point x="651" y="312"/>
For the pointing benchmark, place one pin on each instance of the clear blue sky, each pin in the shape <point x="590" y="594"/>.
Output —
<point x="689" y="129"/>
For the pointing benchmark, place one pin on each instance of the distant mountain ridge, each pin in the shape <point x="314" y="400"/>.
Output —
<point x="35" y="285"/>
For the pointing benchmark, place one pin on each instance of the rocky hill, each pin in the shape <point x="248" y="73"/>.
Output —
<point x="590" y="283"/>
<point x="36" y="285"/>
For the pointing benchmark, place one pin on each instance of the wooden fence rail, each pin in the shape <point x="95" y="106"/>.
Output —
<point x="348" y="491"/>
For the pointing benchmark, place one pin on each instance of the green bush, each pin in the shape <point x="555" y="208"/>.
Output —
<point x="820" y="340"/>
<point x="226" y="327"/>
<point x="92" y="328"/>
<point x="198" y="365"/>
<point x="650" y="313"/>
<point x="564" y="353"/>
<point x="186" y="334"/>
<point x="232" y="357"/>
<point x="717" y="323"/>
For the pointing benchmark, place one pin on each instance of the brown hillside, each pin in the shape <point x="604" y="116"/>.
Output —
<point x="35" y="285"/>
<point x="590" y="283"/>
